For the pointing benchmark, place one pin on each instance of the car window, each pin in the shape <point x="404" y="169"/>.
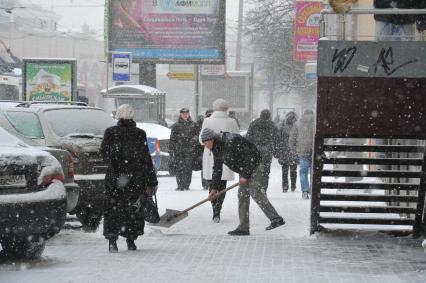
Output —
<point x="26" y="123"/>
<point x="74" y="121"/>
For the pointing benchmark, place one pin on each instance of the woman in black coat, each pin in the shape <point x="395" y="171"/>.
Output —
<point x="130" y="174"/>
<point x="287" y="155"/>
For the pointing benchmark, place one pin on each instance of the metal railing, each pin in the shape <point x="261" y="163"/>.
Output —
<point x="364" y="11"/>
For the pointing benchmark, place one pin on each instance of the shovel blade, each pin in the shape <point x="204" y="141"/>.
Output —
<point x="171" y="217"/>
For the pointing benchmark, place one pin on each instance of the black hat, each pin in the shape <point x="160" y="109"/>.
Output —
<point x="184" y="110"/>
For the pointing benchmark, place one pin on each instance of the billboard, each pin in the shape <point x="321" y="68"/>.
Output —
<point x="49" y="79"/>
<point x="168" y="31"/>
<point x="307" y="31"/>
<point x="234" y="88"/>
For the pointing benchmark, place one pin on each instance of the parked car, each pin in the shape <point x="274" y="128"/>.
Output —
<point x="32" y="197"/>
<point x="77" y="129"/>
<point x="158" y="138"/>
<point x="67" y="164"/>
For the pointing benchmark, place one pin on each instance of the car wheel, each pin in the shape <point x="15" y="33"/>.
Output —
<point x="89" y="218"/>
<point x="31" y="248"/>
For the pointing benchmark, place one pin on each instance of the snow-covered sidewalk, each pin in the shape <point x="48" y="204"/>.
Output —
<point x="198" y="250"/>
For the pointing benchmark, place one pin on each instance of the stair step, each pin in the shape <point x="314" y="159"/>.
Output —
<point x="368" y="209"/>
<point x="394" y="231"/>
<point x="384" y="173"/>
<point x="374" y="148"/>
<point x="374" y="161"/>
<point x="374" y="186"/>
<point x="364" y="197"/>
<point x="372" y="221"/>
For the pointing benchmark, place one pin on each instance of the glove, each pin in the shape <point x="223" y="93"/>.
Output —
<point x="212" y="195"/>
<point x="151" y="190"/>
<point x="243" y="181"/>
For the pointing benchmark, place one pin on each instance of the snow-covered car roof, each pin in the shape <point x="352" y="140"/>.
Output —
<point x="155" y="130"/>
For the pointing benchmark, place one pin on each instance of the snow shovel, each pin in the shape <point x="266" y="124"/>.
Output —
<point x="172" y="217"/>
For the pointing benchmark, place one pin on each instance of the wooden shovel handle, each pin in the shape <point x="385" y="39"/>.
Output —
<point x="207" y="199"/>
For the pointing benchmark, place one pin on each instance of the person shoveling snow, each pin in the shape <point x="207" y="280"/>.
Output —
<point x="242" y="157"/>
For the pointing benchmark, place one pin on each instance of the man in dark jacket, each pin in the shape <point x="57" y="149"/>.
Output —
<point x="242" y="157"/>
<point x="262" y="132"/>
<point x="398" y="27"/>
<point x="130" y="175"/>
<point x="182" y="148"/>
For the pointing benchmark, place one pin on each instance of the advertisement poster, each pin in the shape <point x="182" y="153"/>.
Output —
<point x="48" y="81"/>
<point x="174" y="31"/>
<point x="307" y="31"/>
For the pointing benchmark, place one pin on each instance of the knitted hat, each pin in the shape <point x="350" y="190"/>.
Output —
<point x="125" y="112"/>
<point x="207" y="134"/>
<point x="184" y="110"/>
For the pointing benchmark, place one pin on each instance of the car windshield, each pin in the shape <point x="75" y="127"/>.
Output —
<point x="7" y="139"/>
<point x="79" y="122"/>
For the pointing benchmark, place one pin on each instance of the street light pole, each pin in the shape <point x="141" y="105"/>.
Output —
<point x="239" y="35"/>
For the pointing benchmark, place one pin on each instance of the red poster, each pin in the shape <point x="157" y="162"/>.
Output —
<point x="307" y="30"/>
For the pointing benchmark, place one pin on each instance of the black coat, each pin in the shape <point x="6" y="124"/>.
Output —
<point x="286" y="152"/>
<point x="130" y="170"/>
<point x="236" y="152"/>
<point x="401" y="4"/>
<point x="184" y="138"/>
<point x="263" y="134"/>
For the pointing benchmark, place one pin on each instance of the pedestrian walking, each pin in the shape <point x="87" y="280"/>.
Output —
<point x="242" y="157"/>
<point x="219" y="121"/>
<point x="130" y="175"/>
<point x="303" y="138"/>
<point x="182" y="148"/>
<point x="262" y="132"/>
<point x="286" y="152"/>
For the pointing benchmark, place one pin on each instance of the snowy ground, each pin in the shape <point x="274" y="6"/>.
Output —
<point x="198" y="250"/>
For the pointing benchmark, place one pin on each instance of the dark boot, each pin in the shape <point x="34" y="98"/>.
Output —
<point x="238" y="232"/>
<point x="275" y="223"/>
<point x="113" y="246"/>
<point x="131" y="245"/>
